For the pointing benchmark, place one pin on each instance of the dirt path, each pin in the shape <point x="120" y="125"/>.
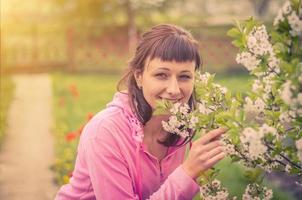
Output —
<point x="27" y="151"/>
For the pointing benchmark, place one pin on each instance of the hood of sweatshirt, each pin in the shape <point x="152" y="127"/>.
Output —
<point x="121" y="100"/>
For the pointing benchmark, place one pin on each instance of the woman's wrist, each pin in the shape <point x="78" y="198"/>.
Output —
<point x="188" y="170"/>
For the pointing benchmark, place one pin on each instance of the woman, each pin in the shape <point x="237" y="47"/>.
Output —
<point x="124" y="153"/>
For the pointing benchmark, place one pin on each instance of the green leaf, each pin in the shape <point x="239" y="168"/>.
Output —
<point x="254" y="175"/>
<point x="234" y="33"/>
<point x="162" y="107"/>
<point x="276" y="37"/>
<point x="238" y="43"/>
<point x="249" y="25"/>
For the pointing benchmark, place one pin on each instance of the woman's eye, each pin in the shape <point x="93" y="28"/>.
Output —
<point x="185" y="77"/>
<point x="161" y="76"/>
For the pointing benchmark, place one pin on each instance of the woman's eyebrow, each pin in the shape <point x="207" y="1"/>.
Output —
<point x="164" y="68"/>
<point x="186" y="71"/>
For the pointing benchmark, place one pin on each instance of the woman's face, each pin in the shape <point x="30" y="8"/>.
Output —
<point x="172" y="81"/>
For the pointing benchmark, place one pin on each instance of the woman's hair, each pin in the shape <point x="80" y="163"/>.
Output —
<point x="168" y="43"/>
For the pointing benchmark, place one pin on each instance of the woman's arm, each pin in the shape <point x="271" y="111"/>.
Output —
<point x="111" y="179"/>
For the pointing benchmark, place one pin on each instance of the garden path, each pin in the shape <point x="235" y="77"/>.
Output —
<point x="27" y="151"/>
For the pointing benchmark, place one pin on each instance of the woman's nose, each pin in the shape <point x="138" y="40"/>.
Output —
<point x="173" y="87"/>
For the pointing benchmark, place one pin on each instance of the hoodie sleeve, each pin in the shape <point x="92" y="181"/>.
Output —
<point x="178" y="186"/>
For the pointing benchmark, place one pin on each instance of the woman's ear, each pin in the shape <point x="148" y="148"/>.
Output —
<point x="138" y="78"/>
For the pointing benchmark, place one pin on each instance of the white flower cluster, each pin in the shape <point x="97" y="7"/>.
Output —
<point x="273" y="63"/>
<point x="213" y="191"/>
<point x="220" y="88"/>
<point x="180" y="120"/>
<point x="299" y="148"/>
<point x="203" y="109"/>
<point x="286" y="94"/>
<point x="252" y="192"/>
<point x="267" y="84"/>
<point x="248" y="60"/>
<point x="257" y="86"/>
<point x="266" y="129"/>
<point x="258" y="104"/>
<point x="228" y="147"/>
<point x="252" y="143"/>
<point x="286" y="118"/>
<point x="258" y="43"/>
<point x="285" y="10"/>
<point x="294" y="101"/>
<point x="203" y="78"/>
<point x="258" y="46"/>
<point x="254" y="109"/>
<point x="293" y="19"/>
<point x="295" y="23"/>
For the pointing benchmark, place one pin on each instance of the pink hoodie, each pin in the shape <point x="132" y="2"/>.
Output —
<point x="113" y="163"/>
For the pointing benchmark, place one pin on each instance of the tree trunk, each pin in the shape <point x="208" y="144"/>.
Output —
<point x="260" y="7"/>
<point x="132" y="29"/>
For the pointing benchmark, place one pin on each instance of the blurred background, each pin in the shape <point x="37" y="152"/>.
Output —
<point x="96" y="35"/>
<point x="83" y="47"/>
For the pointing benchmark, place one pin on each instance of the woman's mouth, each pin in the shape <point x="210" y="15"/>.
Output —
<point x="171" y="100"/>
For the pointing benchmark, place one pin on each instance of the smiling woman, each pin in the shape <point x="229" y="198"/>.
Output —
<point x="169" y="80"/>
<point x="124" y="153"/>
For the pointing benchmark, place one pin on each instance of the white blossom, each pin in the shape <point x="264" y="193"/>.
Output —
<point x="223" y="90"/>
<point x="284" y="117"/>
<point x="175" y="108"/>
<point x="203" y="109"/>
<point x="286" y="93"/>
<point x="259" y="105"/>
<point x="184" y="109"/>
<point x="295" y="23"/>
<point x="299" y="144"/>
<point x="273" y="63"/>
<point x="166" y="126"/>
<point x="203" y="78"/>
<point x="286" y="9"/>
<point x="252" y="141"/>
<point x="300" y="78"/>
<point x="247" y="60"/>
<point x="182" y="133"/>
<point x="299" y="98"/>
<point x="252" y="192"/>
<point x="207" y="194"/>
<point x="256" y="107"/>
<point x="256" y="85"/>
<point x="288" y="168"/>
<point x="257" y="41"/>
<point x="265" y="129"/>
<point x="193" y="122"/>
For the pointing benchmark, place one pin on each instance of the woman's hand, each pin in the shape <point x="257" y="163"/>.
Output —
<point x="205" y="152"/>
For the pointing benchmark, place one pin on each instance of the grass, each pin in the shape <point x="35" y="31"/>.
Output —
<point x="77" y="95"/>
<point x="6" y="94"/>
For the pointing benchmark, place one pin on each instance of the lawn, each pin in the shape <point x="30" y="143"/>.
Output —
<point x="6" y="94"/>
<point x="77" y="97"/>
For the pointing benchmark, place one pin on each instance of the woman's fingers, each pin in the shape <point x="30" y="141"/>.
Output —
<point x="216" y="133"/>
<point x="215" y="159"/>
<point x="213" y="152"/>
<point x="205" y="152"/>
<point x="209" y="146"/>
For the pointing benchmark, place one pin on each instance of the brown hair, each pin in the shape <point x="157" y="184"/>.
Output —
<point x="168" y="43"/>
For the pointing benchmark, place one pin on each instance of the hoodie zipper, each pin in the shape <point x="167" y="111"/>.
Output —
<point x="160" y="171"/>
